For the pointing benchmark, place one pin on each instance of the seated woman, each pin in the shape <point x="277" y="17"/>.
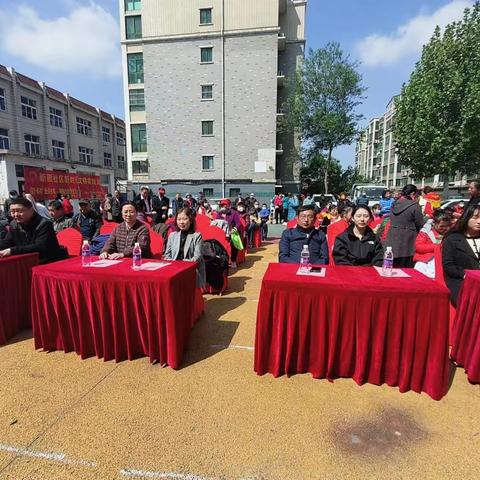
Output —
<point x="461" y="249"/>
<point x="123" y="238"/>
<point x="358" y="245"/>
<point x="186" y="244"/>
<point x="427" y="241"/>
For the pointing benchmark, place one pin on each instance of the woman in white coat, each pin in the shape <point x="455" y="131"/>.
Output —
<point x="186" y="244"/>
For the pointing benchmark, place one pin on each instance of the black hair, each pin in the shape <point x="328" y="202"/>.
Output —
<point x="134" y="205"/>
<point x="56" y="204"/>
<point x="140" y="206"/>
<point x="24" y="202"/>
<point x="409" y="189"/>
<point x="476" y="183"/>
<point x="364" y="207"/>
<point x="304" y="208"/>
<point x="462" y="223"/>
<point x="441" y="215"/>
<point x="384" y="194"/>
<point x="191" y="216"/>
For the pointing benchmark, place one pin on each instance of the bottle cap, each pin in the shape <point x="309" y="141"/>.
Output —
<point x="389" y="248"/>
<point x="137" y="244"/>
<point x="85" y="242"/>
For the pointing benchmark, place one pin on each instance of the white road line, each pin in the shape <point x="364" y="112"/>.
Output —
<point x="239" y="347"/>
<point x="51" y="456"/>
<point x="129" y="472"/>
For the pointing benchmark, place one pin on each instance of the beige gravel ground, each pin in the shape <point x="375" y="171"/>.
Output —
<point x="64" y="418"/>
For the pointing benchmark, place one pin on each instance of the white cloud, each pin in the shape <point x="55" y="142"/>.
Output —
<point x="409" y="38"/>
<point x="87" y="40"/>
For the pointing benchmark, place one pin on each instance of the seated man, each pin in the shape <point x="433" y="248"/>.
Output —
<point x="60" y="221"/>
<point x="88" y="221"/>
<point x="305" y="233"/>
<point x="29" y="233"/>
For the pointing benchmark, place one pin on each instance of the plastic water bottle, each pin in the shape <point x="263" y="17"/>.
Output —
<point x="305" y="260"/>
<point x="387" y="263"/>
<point x="137" y="257"/>
<point x="86" y="254"/>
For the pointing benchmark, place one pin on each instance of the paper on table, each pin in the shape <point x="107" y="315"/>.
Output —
<point x="396" y="273"/>
<point x="312" y="274"/>
<point x="104" y="263"/>
<point x="150" y="266"/>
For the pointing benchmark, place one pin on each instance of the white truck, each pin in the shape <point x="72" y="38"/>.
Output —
<point x="373" y="193"/>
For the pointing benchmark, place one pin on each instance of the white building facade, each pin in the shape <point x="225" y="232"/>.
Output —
<point x="203" y="81"/>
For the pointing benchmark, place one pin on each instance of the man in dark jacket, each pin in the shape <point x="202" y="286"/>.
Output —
<point x="305" y="233"/>
<point x="406" y="221"/>
<point x="116" y="203"/>
<point x="13" y="195"/>
<point x="30" y="233"/>
<point x="87" y="221"/>
<point x="160" y="206"/>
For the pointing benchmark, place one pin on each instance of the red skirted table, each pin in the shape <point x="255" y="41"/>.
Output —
<point x="114" y="312"/>
<point x="354" y="323"/>
<point x="15" y="284"/>
<point x="466" y="329"/>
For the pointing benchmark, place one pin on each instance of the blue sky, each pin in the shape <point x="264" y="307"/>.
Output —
<point x="73" y="45"/>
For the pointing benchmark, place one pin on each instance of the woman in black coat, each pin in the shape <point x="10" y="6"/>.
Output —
<point x="406" y="220"/>
<point x="461" y="249"/>
<point x="358" y="245"/>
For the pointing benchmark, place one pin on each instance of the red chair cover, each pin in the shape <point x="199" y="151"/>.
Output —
<point x="257" y="238"/>
<point x="333" y="231"/>
<point x="108" y="227"/>
<point x="202" y="221"/>
<point x="71" y="239"/>
<point x="292" y="223"/>
<point x="156" y="244"/>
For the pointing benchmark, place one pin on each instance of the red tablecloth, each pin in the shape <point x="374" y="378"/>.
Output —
<point x="114" y="312"/>
<point x="354" y="323"/>
<point x="15" y="283"/>
<point x="466" y="329"/>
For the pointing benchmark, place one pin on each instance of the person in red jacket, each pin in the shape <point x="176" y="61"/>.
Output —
<point x="67" y="205"/>
<point x="428" y="241"/>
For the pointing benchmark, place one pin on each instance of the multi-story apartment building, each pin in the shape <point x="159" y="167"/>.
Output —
<point x="376" y="154"/>
<point x="41" y="127"/>
<point x="203" y="82"/>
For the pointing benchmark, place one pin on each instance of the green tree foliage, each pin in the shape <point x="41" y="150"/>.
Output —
<point x="312" y="175"/>
<point x="322" y="106"/>
<point x="438" y="113"/>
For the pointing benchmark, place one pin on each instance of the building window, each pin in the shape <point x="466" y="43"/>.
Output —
<point x="208" y="192"/>
<point x="58" y="149"/>
<point x="29" y="108"/>
<point x="132" y="5"/>
<point x="84" y="126"/>
<point x="106" y="134"/>
<point x="3" y="102"/>
<point x="207" y="128"/>
<point x="137" y="100"/>
<point x="206" y="54"/>
<point x="207" y="162"/>
<point x="56" y="117"/>
<point x="135" y="67"/>
<point x="32" y="144"/>
<point x="139" y="138"/>
<point x="107" y="160"/>
<point x="207" y="92"/>
<point x="4" y="142"/>
<point x="139" y="167"/>
<point x="120" y="139"/>
<point x="133" y="26"/>
<point x="234" y="192"/>
<point x="205" y="16"/>
<point x="85" y="155"/>
<point x="121" y="162"/>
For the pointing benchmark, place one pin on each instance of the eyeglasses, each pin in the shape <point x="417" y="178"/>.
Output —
<point x="306" y="217"/>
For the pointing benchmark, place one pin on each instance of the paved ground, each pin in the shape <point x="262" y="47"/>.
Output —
<point x="64" y="418"/>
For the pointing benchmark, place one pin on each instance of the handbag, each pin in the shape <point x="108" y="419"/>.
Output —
<point x="236" y="240"/>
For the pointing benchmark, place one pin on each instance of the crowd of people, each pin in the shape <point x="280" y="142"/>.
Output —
<point x="410" y="222"/>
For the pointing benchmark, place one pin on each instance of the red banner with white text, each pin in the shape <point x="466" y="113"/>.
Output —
<point x="45" y="184"/>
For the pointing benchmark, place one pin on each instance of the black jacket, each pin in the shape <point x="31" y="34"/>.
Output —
<point x="89" y="225"/>
<point x="36" y="236"/>
<point x="293" y="240"/>
<point x="350" y="250"/>
<point x="157" y="204"/>
<point x="457" y="256"/>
